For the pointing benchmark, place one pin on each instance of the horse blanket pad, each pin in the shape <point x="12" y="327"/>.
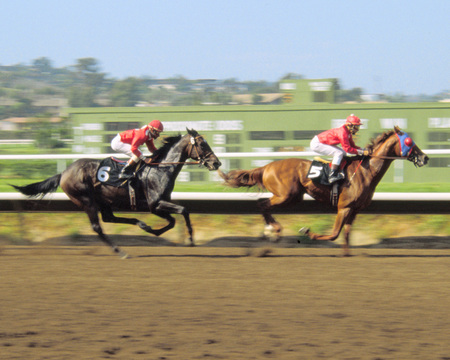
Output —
<point x="320" y="171"/>
<point x="109" y="170"/>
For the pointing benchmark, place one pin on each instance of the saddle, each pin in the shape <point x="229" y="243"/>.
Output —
<point x="108" y="173"/>
<point x="320" y="171"/>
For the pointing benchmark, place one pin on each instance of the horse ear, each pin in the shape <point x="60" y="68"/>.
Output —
<point x="192" y="132"/>
<point x="397" y="129"/>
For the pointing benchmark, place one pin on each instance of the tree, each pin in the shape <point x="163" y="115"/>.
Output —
<point x="87" y="72"/>
<point x="125" y="92"/>
<point x="43" y="65"/>
<point x="292" y="76"/>
<point x="349" y="95"/>
<point x="256" y="99"/>
<point x="87" y="65"/>
<point x="79" y="96"/>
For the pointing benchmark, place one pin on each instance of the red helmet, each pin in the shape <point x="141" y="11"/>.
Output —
<point x="156" y="125"/>
<point x="354" y="120"/>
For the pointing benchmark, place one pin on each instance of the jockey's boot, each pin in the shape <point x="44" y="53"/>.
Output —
<point x="335" y="175"/>
<point x="128" y="170"/>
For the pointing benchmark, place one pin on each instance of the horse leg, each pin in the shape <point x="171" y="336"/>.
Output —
<point x="266" y="206"/>
<point x="86" y="203"/>
<point x="342" y="218"/>
<point x="272" y="226"/>
<point x="347" y="229"/>
<point x="108" y="216"/>
<point x="163" y="210"/>
<point x="95" y="223"/>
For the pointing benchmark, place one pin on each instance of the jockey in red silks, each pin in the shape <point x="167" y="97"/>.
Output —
<point x="128" y="143"/>
<point x="326" y="144"/>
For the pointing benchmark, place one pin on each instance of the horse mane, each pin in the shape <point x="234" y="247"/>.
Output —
<point x="168" y="143"/>
<point x="379" y="140"/>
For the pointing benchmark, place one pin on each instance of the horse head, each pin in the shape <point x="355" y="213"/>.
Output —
<point x="408" y="148"/>
<point x="398" y="144"/>
<point x="199" y="149"/>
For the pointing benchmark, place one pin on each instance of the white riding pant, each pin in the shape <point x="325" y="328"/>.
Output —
<point x="331" y="150"/>
<point x="123" y="148"/>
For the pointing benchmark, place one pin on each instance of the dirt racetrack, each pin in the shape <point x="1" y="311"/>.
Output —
<point x="212" y="302"/>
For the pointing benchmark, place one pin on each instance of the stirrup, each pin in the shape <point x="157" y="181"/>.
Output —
<point x="337" y="177"/>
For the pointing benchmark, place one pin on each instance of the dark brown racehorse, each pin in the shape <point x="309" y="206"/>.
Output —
<point x="287" y="180"/>
<point x="155" y="183"/>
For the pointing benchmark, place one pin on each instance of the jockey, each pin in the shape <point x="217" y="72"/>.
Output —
<point x="325" y="144"/>
<point x="128" y="143"/>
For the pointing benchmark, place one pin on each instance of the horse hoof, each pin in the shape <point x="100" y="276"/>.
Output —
<point x="304" y="231"/>
<point x="144" y="226"/>
<point x="268" y="231"/>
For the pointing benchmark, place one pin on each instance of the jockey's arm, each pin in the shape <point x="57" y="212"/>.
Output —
<point x="137" y="154"/>
<point x="151" y="146"/>
<point x="348" y="145"/>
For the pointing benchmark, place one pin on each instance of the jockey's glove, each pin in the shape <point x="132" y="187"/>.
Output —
<point x="364" y="152"/>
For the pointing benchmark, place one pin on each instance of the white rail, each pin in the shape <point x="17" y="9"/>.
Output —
<point x="283" y="154"/>
<point x="382" y="196"/>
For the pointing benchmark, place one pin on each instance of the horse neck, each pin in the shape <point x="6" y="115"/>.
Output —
<point x="153" y="175"/>
<point x="178" y="153"/>
<point x="378" y="164"/>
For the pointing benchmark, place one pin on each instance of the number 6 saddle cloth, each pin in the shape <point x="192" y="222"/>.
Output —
<point x="109" y="170"/>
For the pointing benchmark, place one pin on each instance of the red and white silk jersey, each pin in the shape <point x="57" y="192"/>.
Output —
<point x="340" y="135"/>
<point x="138" y="137"/>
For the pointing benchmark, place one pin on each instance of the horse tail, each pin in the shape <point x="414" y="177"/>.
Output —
<point x="244" y="178"/>
<point x="40" y="188"/>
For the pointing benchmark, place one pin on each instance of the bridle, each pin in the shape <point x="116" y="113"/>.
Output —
<point x="413" y="157"/>
<point x="193" y="145"/>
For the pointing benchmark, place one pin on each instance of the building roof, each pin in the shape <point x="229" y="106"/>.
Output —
<point x="265" y="98"/>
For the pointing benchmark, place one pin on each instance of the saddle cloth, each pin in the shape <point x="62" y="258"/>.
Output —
<point x="109" y="170"/>
<point x="320" y="171"/>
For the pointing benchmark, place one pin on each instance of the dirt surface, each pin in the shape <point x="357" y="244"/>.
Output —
<point x="233" y="299"/>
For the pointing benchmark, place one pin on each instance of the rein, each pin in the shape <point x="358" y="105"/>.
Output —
<point x="380" y="157"/>
<point x="192" y="146"/>
<point x="389" y="157"/>
<point x="175" y="163"/>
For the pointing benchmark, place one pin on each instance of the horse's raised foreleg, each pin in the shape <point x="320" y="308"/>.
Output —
<point x="163" y="210"/>
<point x="95" y="223"/>
<point x="342" y="218"/>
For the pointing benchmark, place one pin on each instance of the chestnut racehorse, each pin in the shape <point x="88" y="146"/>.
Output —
<point x="287" y="180"/>
<point x="155" y="183"/>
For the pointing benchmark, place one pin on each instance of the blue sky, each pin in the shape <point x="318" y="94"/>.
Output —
<point x="396" y="46"/>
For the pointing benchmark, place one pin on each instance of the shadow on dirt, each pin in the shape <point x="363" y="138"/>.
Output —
<point x="416" y="242"/>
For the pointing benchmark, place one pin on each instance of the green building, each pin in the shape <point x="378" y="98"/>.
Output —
<point x="308" y="110"/>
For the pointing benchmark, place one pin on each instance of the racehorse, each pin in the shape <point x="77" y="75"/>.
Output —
<point x="155" y="183"/>
<point x="287" y="180"/>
